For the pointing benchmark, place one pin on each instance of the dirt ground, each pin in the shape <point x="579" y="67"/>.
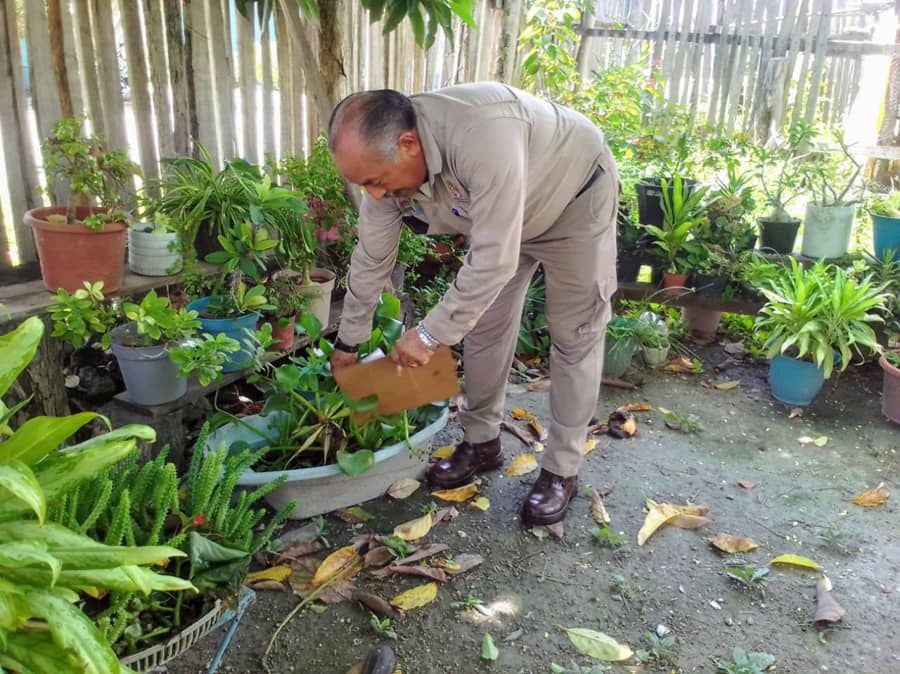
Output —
<point x="531" y="587"/>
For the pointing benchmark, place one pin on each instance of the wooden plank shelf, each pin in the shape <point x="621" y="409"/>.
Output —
<point x="650" y="292"/>
<point x="21" y="300"/>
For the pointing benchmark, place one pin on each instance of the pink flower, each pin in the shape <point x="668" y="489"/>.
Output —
<point x="331" y="234"/>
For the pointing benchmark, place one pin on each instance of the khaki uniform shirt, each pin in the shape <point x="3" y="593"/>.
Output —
<point x="502" y="166"/>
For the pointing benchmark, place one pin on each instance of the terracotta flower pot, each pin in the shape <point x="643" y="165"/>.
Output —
<point x="675" y="284"/>
<point x="701" y="324"/>
<point x="284" y="336"/>
<point x="890" y="399"/>
<point x="71" y="253"/>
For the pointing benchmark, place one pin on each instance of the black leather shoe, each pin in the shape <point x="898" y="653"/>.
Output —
<point x="469" y="459"/>
<point x="549" y="499"/>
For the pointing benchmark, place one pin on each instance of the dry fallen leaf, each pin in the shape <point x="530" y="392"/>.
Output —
<point x="539" y="431"/>
<point x="795" y="412"/>
<point x="482" y="503"/>
<point x="375" y="604"/>
<point x="519" y="414"/>
<point x="796" y="560"/>
<point x="828" y="611"/>
<point x="693" y="509"/>
<point x="622" y="424"/>
<point x="733" y="544"/>
<point x="378" y="556"/>
<point x="683" y="521"/>
<point x="804" y="439"/>
<point x="522" y="464"/>
<point x="636" y="407"/>
<point x="598" y="509"/>
<point x="416" y="597"/>
<point x="821" y="441"/>
<point x="354" y="515"/>
<point x="404" y="488"/>
<point x="296" y="550"/>
<point x="597" y="644"/>
<point x="414" y="529"/>
<point x="746" y="484"/>
<point x="590" y="445"/>
<point x="873" y="497"/>
<point x="657" y="515"/>
<point x="557" y="530"/>
<point x="727" y="385"/>
<point x="273" y="573"/>
<point x="427" y="571"/>
<point x="424" y="552"/>
<point x="457" y="495"/>
<point x="735" y="348"/>
<point x="538" y="447"/>
<point x="338" y="562"/>
<point x="444" y="452"/>
<point x="679" y="365"/>
<point x="301" y="583"/>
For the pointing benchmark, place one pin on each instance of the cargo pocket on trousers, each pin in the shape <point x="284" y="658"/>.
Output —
<point x="600" y="311"/>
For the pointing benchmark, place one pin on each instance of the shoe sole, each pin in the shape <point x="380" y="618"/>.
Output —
<point x="459" y="483"/>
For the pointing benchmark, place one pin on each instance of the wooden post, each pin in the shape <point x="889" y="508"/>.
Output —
<point x="247" y="62"/>
<point x="176" y="35"/>
<point x="222" y="76"/>
<point x="159" y="80"/>
<point x="108" y="72"/>
<point x="819" y="62"/>
<point x="139" y="85"/>
<point x="57" y="42"/>
<point x="87" y="60"/>
<point x="204" y="100"/>
<point x="507" y="63"/>
<point x="43" y="90"/>
<point x="268" y="92"/>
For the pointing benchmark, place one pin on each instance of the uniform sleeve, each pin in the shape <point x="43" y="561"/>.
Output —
<point x="370" y="266"/>
<point x="493" y="166"/>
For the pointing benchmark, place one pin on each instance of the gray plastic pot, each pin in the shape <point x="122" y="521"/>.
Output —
<point x="153" y="254"/>
<point x="826" y="230"/>
<point x="151" y="378"/>
<point x="322" y="489"/>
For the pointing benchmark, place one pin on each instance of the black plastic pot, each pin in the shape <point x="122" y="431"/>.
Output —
<point x="627" y="268"/>
<point x="778" y="236"/>
<point x="649" y="198"/>
<point x="709" y="285"/>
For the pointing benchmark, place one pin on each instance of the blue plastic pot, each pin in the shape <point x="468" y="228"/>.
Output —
<point x="795" y="382"/>
<point x="233" y="327"/>
<point x="886" y="235"/>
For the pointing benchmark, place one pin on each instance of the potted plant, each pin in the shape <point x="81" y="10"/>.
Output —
<point x="681" y="213"/>
<point x="411" y="252"/>
<point x="781" y="177"/>
<point x="233" y="310"/>
<point x="653" y="336"/>
<point x="668" y="154"/>
<point x="156" y="351"/>
<point x="287" y="303"/>
<point x="309" y="433"/>
<point x="731" y="205"/>
<point x="885" y="212"/>
<point x="196" y="511"/>
<point x="711" y="271"/>
<point x="890" y="397"/>
<point x="833" y="179"/>
<point x="631" y="242"/>
<point x="154" y="243"/>
<point x="817" y="318"/>
<point x="620" y="345"/>
<point x="84" y="240"/>
<point x="50" y="567"/>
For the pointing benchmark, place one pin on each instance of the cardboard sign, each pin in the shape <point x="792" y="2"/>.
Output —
<point x="401" y="388"/>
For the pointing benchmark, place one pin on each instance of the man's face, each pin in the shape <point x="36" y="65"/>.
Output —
<point x="381" y="177"/>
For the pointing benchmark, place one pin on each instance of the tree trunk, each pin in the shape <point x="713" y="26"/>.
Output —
<point x="509" y="42"/>
<point x="315" y="81"/>
<point x="88" y="59"/>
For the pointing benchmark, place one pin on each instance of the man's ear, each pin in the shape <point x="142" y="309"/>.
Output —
<point x="408" y="143"/>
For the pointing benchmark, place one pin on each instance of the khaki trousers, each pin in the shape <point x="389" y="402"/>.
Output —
<point x="578" y="254"/>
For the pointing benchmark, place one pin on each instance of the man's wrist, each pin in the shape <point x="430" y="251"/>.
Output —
<point x="340" y="345"/>
<point x="427" y="338"/>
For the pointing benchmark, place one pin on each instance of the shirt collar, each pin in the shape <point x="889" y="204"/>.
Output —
<point x="433" y="159"/>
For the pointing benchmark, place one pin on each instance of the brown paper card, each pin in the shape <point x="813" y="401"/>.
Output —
<point x="401" y="388"/>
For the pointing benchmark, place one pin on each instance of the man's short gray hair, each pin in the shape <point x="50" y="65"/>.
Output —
<point x="378" y="117"/>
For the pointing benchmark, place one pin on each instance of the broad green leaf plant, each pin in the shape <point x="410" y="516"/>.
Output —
<point x="44" y="566"/>
<point x="683" y="210"/>
<point x="814" y="313"/>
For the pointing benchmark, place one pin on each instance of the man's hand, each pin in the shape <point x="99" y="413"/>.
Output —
<point x="409" y="350"/>
<point x="341" y="359"/>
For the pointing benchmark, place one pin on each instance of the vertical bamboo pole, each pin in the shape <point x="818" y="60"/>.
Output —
<point x="248" y="89"/>
<point x="109" y="73"/>
<point x="139" y="85"/>
<point x="87" y="62"/>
